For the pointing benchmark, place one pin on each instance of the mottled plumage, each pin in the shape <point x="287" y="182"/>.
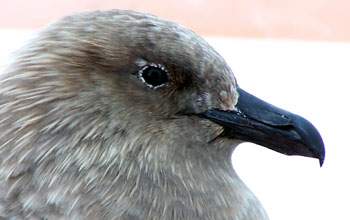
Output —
<point x="82" y="137"/>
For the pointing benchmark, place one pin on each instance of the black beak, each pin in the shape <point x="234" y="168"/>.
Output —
<point x="264" y="124"/>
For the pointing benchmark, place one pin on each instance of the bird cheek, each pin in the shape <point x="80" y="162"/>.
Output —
<point x="211" y="130"/>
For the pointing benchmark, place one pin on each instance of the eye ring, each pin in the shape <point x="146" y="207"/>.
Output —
<point x="153" y="75"/>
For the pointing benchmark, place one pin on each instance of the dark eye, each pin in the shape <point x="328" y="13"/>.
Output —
<point x="154" y="76"/>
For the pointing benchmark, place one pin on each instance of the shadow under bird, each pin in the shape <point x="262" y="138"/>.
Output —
<point x="123" y="115"/>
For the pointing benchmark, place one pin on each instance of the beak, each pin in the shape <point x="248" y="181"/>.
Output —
<point x="262" y="123"/>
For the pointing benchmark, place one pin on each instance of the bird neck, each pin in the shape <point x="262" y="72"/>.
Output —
<point x="169" y="186"/>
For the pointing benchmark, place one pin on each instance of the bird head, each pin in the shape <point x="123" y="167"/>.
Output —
<point x="101" y="87"/>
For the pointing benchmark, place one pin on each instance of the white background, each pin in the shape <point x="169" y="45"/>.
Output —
<point x="307" y="78"/>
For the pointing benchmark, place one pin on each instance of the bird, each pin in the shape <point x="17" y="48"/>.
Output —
<point x="117" y="114"/>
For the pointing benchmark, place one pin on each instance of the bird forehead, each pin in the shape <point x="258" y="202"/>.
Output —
<point x="140" y="35"/>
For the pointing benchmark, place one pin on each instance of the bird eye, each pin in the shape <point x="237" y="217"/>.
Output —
<point x="154" y="76"/>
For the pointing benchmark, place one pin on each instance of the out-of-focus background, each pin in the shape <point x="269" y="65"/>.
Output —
<point x="288" y="19"/>
<point x="292" y="53"/>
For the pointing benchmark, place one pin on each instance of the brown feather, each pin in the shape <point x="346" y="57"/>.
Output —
<point x="81" y="137"/>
